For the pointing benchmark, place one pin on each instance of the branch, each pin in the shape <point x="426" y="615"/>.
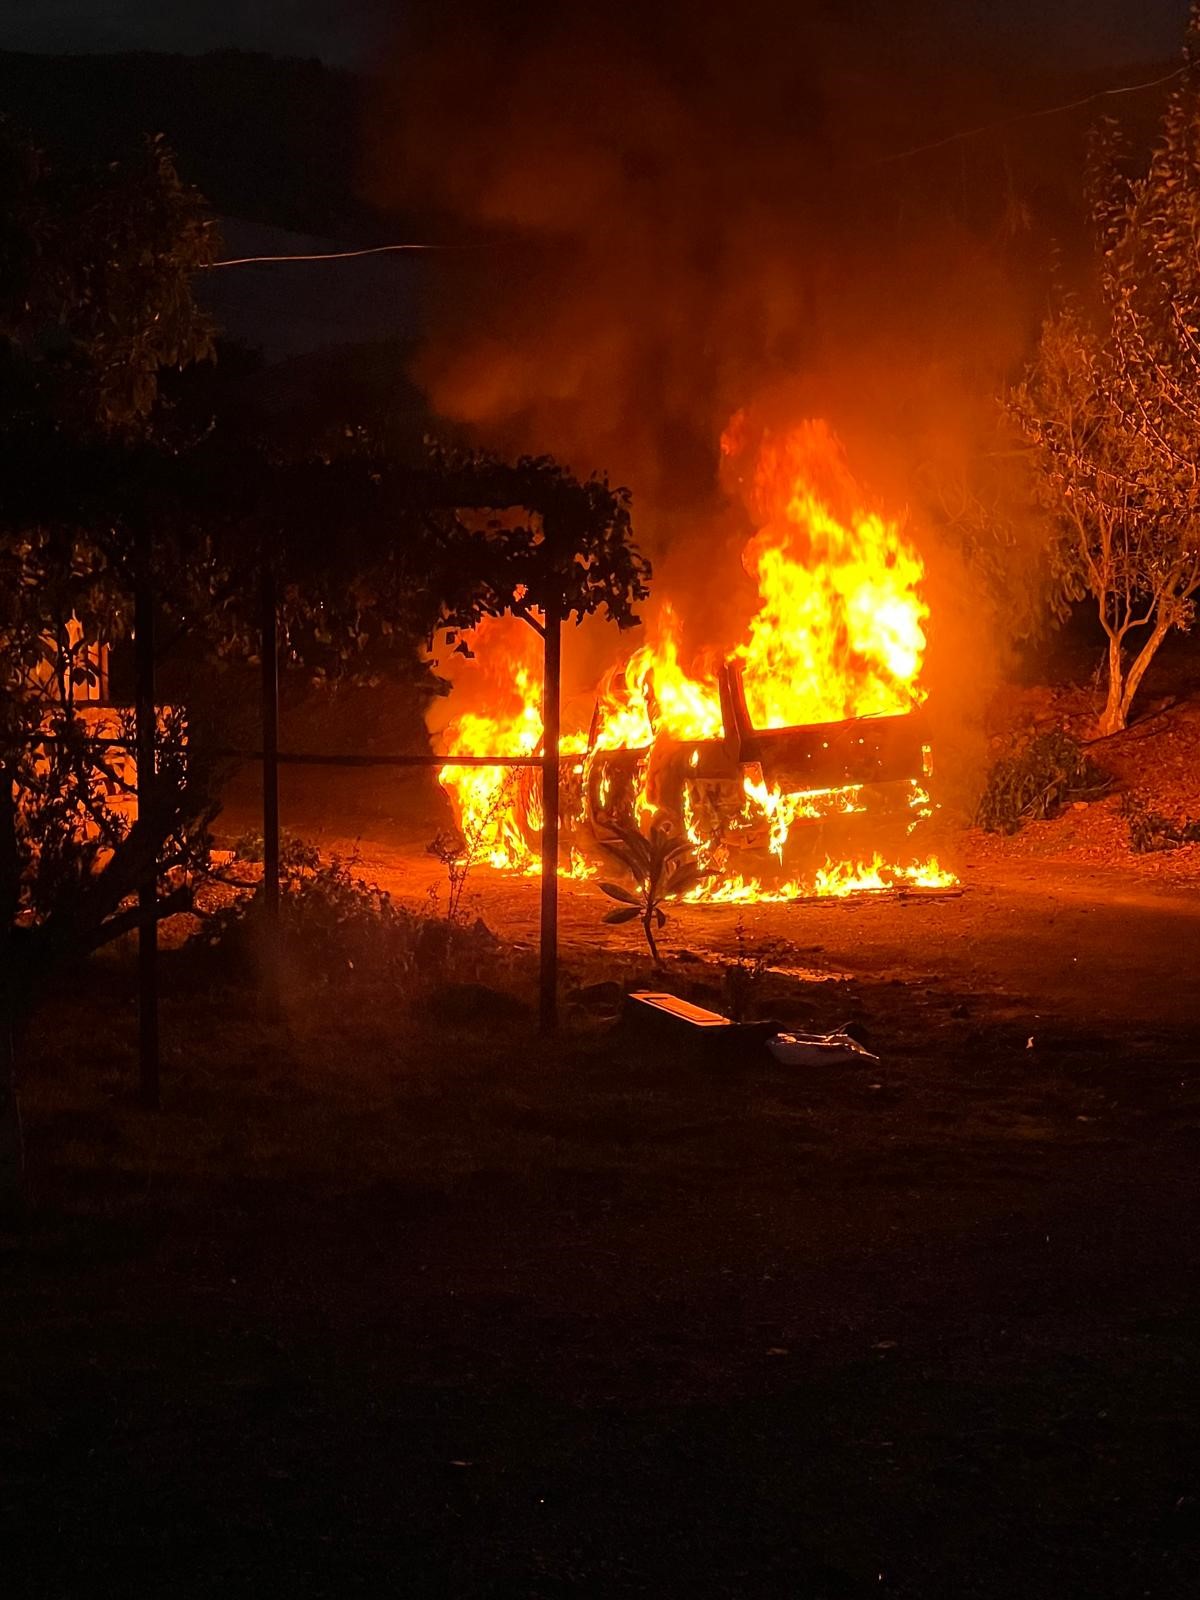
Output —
<point x="526" y="615"/>
<point x="124" y="922"/>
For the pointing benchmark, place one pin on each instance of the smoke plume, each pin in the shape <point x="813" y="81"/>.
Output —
<point x="677" y="213"/>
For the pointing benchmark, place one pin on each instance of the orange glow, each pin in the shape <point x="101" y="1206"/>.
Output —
<point x="839" y="630"/>
<point x="838" y="634"/>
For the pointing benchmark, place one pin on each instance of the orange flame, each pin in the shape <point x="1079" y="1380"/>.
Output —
<point x="839" y="633"/>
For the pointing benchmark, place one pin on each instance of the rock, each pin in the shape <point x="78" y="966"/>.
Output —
<point x="475" y="1003"/>
<point x="607" y="995"/>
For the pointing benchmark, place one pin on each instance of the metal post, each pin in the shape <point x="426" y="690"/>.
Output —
<point x="146" y="715"/>
<point x="551" y="695"/>
<point x="270" y="790"/>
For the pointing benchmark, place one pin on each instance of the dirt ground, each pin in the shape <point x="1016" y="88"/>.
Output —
<point x="1060" y="917"/>
<point x="396" y="1298"/>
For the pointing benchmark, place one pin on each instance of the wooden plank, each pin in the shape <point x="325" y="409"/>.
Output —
<point x="681" y="1011"/>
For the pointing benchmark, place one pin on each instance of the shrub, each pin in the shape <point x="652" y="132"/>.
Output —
<point x="1035" y="781"/>
<point x="742" y="978"/>
<point x="332" y="923"/>
<point x="1151" y="831"/>
<point x="661" y="865"/>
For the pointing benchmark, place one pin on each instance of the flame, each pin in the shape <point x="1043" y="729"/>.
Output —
<point x="838" y="633"/>
<point x="651" y="694"/>
<point x="839" y="630"/>
<point x="495" y="827"/>
<point x="835" y="880"/>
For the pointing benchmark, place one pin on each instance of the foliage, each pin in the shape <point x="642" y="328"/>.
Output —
<point x="296" y="855"/>
<point x="370" y="553"/>
<point x="95" y="300"/>
<point x="1111" y="405"/>
<point x="661" y="865"/>
<point x="742" y="977"/>
<point x="95" y="264"/>
<point x="373" y="554"/>
<point x="573" y="548"/>
<point x="1151" y="831"/>
<point x="1034" y="782"/>
<point x="459" y="849"/>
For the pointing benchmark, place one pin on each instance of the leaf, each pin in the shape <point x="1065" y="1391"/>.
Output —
<point x="621" y="914"/>
<point x="660" y="916"/>
<point x="616" y="892"/>
<point x="639" y="848"/>
<point x="686" y="877"/>
<point x="632" y="850"/>
<point x="619" y="853"/>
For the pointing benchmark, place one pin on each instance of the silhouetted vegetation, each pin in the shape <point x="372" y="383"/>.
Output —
<point x="1036" y="781"/>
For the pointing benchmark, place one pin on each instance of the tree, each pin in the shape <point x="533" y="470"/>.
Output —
<point x="574" y="556"/>
<point x="95" y="301"/>
<point x="1111" y="404"/>
<point x="113" y="483"/>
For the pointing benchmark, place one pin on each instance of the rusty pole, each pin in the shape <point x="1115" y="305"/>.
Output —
<point x="146" y="718"/>
<point x="270" y="790"/>
<point x="551" y="696"/>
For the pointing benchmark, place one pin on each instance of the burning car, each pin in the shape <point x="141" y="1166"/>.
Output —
<point x="793" y="762"/>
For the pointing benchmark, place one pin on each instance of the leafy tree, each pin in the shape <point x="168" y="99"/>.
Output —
<point x="1111" y="404"/>
<point x="95" y="301"/>
<point x="537" y="534"/>
<point x="97" y="446"/>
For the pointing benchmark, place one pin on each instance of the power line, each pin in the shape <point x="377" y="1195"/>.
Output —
<point x="882" y="161"/>
<point x="1025" y="116"/>
<point x="325" y="255"/>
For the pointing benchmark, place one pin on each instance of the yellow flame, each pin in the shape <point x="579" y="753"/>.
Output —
<point x="839" y="632"/>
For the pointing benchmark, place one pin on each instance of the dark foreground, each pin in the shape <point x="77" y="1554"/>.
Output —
<point x="379" y="1308"/>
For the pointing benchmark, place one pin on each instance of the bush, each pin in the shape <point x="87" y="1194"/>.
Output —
<point x="333" y="923"/>
<point x="1150" y="830"/>
<point x="1035" y="781"/>
<point x="295" y="854"/>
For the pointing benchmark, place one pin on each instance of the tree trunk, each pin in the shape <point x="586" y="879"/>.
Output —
<point x="12" y="1145"/>
<point x="12" y="1142"/>
<point x="1113" y="719"/>
<point x="1138" y="670"/>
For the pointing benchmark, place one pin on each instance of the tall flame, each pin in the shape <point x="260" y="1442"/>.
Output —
<point x="838" y="633"/>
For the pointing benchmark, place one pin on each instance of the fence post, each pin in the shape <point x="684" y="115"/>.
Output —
<point x="551" y="696"/>
<point x="270" y="790"/>
<point x="146" y="717"/>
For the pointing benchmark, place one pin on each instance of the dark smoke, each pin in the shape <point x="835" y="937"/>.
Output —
<point x="679" y="212"/>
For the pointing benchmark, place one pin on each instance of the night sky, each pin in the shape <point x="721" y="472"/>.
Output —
<point x="1069" y="33"/>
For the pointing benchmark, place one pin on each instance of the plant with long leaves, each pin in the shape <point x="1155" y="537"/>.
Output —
<point x="662" y="866"/>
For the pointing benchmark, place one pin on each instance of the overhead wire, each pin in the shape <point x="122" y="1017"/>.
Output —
<point x="881" y="161"/>
<point x="324" y="255"/>
<point x="1025" y="116"/>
